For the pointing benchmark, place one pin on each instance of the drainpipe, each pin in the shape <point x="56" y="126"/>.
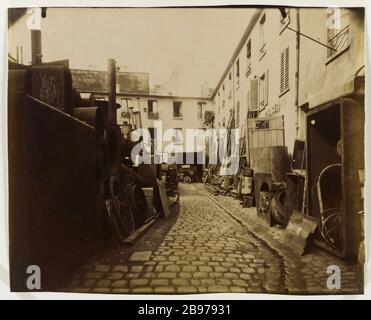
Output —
<point x="297" y="71"/>
<point x="36" y="47"/>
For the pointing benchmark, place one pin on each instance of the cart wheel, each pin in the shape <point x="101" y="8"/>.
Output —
<point x="120" y="213"/>
<point x="330" y="226"/>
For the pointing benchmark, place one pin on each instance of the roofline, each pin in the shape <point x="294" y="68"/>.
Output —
<point x="105" y="71"/>
<point x="121" y="94"/>
<point x="246" y="34"/>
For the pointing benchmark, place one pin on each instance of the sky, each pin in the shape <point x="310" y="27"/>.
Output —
<point x="196" y="44"/>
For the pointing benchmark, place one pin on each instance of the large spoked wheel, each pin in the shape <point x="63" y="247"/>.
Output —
<point x="137" y="203"/>
<point x="120" y="213"/>
<point x="331" y="228"/>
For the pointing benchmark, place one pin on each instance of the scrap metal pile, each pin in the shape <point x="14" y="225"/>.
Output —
<point x="127" y="206"/>
<point x="72" y="187"/>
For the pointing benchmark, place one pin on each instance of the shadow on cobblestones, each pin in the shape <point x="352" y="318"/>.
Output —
<point x="211" y="246"/>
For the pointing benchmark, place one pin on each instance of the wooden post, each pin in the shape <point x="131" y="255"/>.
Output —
<point x="36" y="47"/>
<point x="111" y="84"/>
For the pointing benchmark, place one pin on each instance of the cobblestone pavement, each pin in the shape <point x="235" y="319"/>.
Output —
<point x="213" y="246"/>
<point x="305" y="274"/>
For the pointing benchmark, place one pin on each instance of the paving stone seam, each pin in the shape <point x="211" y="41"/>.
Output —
<point x="275" y="252"/>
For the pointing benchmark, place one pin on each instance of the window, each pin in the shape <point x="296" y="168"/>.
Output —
<point x="152" y="109"/>
<point x="263" y="90"/>
<point x="238" y="68"/>
<point x="248" y="56"/>
<point x="337" y="31"/>
<point x="200" y="109"/>
<point x="230" y="76"/>
<point x="284" y="74"/>
<point x="252" y="96"/>
<point x="285" y="19"/>
<point x="248" y="49"/>
<point x="177" y="109"/>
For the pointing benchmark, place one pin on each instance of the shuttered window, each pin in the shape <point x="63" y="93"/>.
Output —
<point x="285" y="68"/>
<point x="254" y="95"/>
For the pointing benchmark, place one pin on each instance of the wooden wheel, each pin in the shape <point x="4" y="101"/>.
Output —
<point x="120" y="213"/>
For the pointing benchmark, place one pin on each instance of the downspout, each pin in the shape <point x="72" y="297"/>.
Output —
<point x="297" y="71"/>
<point x="305" y="189"/>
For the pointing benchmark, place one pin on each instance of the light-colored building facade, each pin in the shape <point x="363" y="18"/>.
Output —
<point x="139" y="107"/>
<point x="174" y="112"/>
<point x="329" y="74"/>
<point x="259" y="81"/>
<point x="274" y="71"/>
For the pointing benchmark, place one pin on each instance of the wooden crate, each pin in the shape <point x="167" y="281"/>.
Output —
<point x="266" y="132"/>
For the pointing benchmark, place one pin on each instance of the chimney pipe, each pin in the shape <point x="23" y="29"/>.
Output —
<point x="36" y="47"/>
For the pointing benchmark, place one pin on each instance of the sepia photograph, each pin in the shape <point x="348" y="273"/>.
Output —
<point x="186" y="150"/>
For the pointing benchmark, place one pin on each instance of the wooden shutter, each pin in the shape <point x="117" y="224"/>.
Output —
<point x="254" y="95"/>
<point x="282" y="74"/>
<point x="285" y="70"/>
<point x="287" y="60"/>
<point x="266" y="88"/>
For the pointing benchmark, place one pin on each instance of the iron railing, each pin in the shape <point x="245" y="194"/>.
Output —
<point x="338" y="42"/>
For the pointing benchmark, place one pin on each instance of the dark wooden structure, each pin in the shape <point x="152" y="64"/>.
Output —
<point x="335" y="139"/>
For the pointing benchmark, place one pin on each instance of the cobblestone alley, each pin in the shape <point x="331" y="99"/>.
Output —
<point x="211" y="246"/>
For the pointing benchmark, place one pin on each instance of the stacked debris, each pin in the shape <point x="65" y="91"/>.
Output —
<point x="72" y="185"/>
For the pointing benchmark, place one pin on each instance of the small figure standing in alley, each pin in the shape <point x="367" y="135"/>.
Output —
<point x="186" y="150"/>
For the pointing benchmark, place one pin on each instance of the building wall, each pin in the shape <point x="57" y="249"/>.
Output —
<point x="323" y="79"/>
<point x="262" y="62"/>
<point x="164" y="108"/>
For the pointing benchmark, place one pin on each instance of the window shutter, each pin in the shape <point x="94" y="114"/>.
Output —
<point x="282" y="74"/>
<point x="285" y="70"/>
<point x="254" y="95"/>
<point x="266" y="88"/>
<point x="287" y="61"/>
<point x="248" y="49"/>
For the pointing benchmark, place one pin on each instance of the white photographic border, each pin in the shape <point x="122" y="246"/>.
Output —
<point x="4" y="242"/>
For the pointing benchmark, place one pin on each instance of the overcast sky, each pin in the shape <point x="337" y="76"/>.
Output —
<point x="196" y="42"/>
